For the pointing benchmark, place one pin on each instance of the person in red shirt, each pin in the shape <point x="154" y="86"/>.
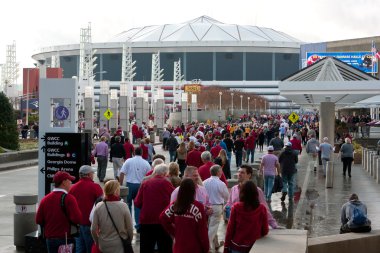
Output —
<point x="296" y="144"/>
<point x="144" y="148"/>
<point x="56" y="219"/>
<point x="193" y="157"/>
<point x="185" y="219"/>
<point x="216" y="149"/>
<point x="204" y="170"/>
<point x="248" y="220"/>
<point x="135" y="130"/>
<point x="129" y="149"/>
<point x="153" y="197"/>
<point x="86" y="192"/>
<point x="250" y="146"/>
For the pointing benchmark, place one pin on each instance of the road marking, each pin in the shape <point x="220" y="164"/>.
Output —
<point x="2" y="196"/>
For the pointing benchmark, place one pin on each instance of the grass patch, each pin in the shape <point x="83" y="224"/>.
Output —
<point x="28" y="144"/>
<point x="1" y="150"/>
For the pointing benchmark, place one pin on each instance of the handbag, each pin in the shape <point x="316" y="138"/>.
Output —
<point x="127" y="244"/>
<point x="277" y="187"/>
<point x="66" y="248"/>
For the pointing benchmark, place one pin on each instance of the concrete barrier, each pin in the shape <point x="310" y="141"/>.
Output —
<point x="18" y="156"/>
<point x="282" y="240"/>
<point x="378" y="171"/>
<point x="374" y="165"/>
<point x="347" y="243"/>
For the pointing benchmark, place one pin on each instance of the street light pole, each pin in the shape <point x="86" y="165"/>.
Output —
<point x="241" y="102"/>
<point x="220" y="100"/>
<point x="232" y="103"/>
<point x="27" y="100"/>
<point x="255" y="107"/>
<point x="265" y="106"/>
<point x="248" y="106"/>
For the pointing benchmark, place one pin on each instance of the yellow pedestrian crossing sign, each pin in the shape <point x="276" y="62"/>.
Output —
<point x="293" y="117"/>
<point x="108" y="114"/>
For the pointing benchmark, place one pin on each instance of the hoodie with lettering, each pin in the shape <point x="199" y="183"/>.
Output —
<point x="189" y="230"/>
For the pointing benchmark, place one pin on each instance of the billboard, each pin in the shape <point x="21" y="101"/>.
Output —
<point x="360" y="60"/>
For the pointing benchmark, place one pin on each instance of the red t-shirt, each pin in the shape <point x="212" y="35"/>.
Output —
<point x="129" y="150"/>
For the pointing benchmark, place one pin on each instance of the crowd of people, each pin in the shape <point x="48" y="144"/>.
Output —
<point x="177" y="205"/>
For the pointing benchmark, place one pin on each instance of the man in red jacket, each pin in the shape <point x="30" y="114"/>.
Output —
<point x="204" y="170"/>
<point x="57" y="211"/>
<point x="86" y="192"/>
<point x="153" y="197"/>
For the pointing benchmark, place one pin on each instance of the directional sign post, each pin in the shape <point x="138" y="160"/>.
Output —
<point x="293" y="117"/>
<point x="108" y="114"/>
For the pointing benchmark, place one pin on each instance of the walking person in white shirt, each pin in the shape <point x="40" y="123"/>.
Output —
<point x="134" y="170"/>
<point x="218" y="195"/>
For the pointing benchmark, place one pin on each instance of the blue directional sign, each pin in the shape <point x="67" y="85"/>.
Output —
<point x="61" y="112"/>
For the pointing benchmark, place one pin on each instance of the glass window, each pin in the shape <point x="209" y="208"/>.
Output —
<point x="111" y="64"/>
<point x="199" y="66"/>
<point x="143" y="66"/>
<point x="167" y="63"/>
<point x="70" y="65"/>
<point x="258" y="66"/>
<point x="286" y="64"/>
<point x="229" y="66"/>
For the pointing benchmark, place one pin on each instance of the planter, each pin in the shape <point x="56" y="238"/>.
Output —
<point x="358" y="158"/>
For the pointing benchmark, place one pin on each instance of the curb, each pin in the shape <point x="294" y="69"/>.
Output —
<point x="10" y="166"/>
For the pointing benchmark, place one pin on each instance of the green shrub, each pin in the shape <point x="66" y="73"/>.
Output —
<point x="8" y="125"/>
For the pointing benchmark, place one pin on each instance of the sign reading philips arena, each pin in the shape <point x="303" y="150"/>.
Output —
<point x="364" y="61"/>
<point x="65" y="152"/>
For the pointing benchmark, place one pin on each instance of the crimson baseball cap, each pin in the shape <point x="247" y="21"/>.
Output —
<point x="61" y="176"/>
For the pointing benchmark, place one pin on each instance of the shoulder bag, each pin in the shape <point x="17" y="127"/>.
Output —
<point x="74" y="228"/>
<point x="127" y="244"/>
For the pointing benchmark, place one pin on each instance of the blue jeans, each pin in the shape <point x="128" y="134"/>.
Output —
<point x="229" y="155"/>
<point x="132" y="193"/>
<point x="172" y="155"/>
<point x="288" y="184"/>
<point x="252" y="152"/>
<point x="84" y="242"/>
<point x="53" y="244"/>
<point x="268" y="186"/>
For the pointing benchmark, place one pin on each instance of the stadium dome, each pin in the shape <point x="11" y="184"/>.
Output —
<point x="206" y="30"/>
<point x="243" y="57"/>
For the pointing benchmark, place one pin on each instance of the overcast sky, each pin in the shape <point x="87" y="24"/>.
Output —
<point x="41" y="23"/>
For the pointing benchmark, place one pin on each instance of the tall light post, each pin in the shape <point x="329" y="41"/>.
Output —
<point x="232" y="103"/>
<point x="265" y="106"/>
<point x="255" y="107"/>
<point x="27" y="101"/>
<point x="241" y="102"/>
<point x="248" y="106"/>
<point x="220" y="100"/>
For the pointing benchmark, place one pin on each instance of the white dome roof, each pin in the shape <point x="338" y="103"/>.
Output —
<point x="203" y="29"/>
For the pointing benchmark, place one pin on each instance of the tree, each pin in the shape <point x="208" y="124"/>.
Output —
<point x="8" y="126"/>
